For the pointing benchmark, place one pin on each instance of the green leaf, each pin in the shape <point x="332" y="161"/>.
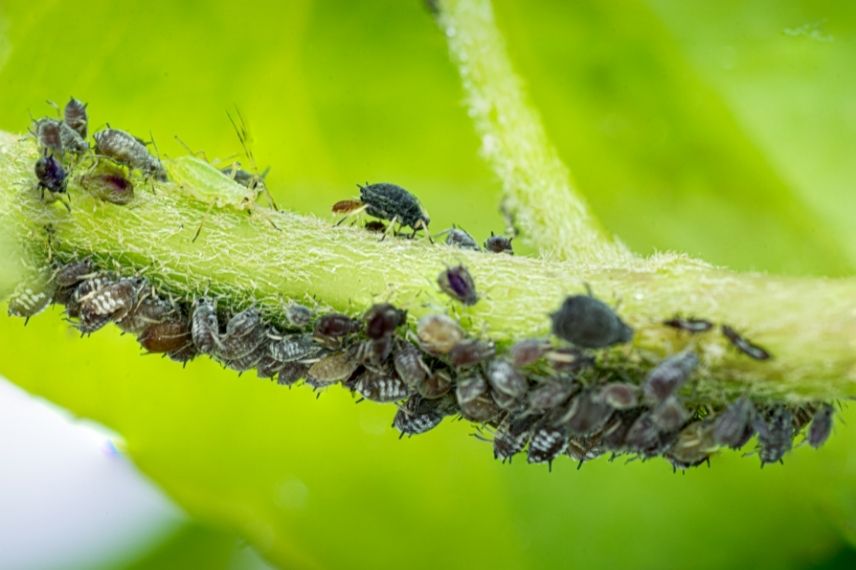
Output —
<point x="672" y="152"/>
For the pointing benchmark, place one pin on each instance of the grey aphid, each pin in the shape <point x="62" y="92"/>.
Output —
<point x="332" y="368"/>
<point x="74" y="115"/>
<point x="586" y="414"/>
<point x="470" y="388"/>
<point x="503" y="377"/>
<point x="293" y="348"/>
<point x="670" y="414"/>
<point x="821" y="426"/>
<point x="482" y="409"/>
<point x="71" y="141"/>
<point x="409" y="364"/>
<point x="620" y="395"/>
<point x="456" y="237"/>
<point x="550" y="394"/>
<point x="126" y="149"/>
<point x="47" y="132"/>
<point x="665" y="378"/>
<point x="589" y="323"/>
<point x="418" y="415"/>
<point x="734" y="426"/>
<point x="205" y="327"/>
<point x="31" y="297"/>
<point x="775" y="434"/>
<point x="380" y="387"/>
<point x="512" y="436"/>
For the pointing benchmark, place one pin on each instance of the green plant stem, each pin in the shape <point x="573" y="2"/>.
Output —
<point x="809" y="324"/>
<point x="538" y="194"/>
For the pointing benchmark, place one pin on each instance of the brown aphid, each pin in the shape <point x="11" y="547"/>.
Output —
<point x="498" y="244"/>
<point x="293" y="348"/>
<point x="470" y="388"/>
<point x="615" y="431"/>
<point x="670" y="414"/>
<point x="620" y="395"/>
<point x="332" y="368"/>
<point x="347" y="206"/>
<point x="382" y="319"/>
<point x="435" y="385"/>
<point x="126" y="149"/>
<point x="693" y="446"/>
<point x="470" y="352"/>
<point x="550" y="394"/>
<point x="108" y="183"/>
<point x="527" y="352"/>
<point x="690" y="324"/>
<point x="669" y="375"/>
<point x="438" y="334"/>
<point x="457" y="283"/>
<point x="481" y="409"/>
<point x="291" y="372"/>
<point x="409" y="365"/>
<point x="170" y="336"/>
<point x="744" y="345"/>
<point x="375" y="226"/>
<point x="380" y="386"/>
<point x="512" y="436"/>
<point x="821" y="426"/>
<point x="504" y="378"/>
<point x="375" y="352"/>
<point x="74" y="115"/>
<point x="734" y="426"/>
<point x="586" y="414"/>
<point x="205" y="326"/>
<point x="334" y="326"/>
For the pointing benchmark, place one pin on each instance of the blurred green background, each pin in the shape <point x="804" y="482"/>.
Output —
<point x="724" y="129"/>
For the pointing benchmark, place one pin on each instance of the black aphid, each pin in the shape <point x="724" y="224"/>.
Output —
<point x="775" y="433"/>
<point x="734" y="426"/>
<point x="335" y="325"/>
<point x="457" y="283"/>
<point x="662" y="381"/>
<point x="394" y="203"/>
<point x="821" y="426"/>
<point x="375" y="226"/>
<point x="744" y="345"/>
<point x="589" y="323"/>
<point x="51" y="175"/>
<point x="498" y="244"/>
<point x="74" y="115"/>
<point x="691" y="325"/>
<point x="125" y="149"/>
<point x="205" y="326"/>
<point x="456" y="237"/>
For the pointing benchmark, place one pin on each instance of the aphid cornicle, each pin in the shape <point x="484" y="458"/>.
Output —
<point x="589" y="323"/>
<point x="775" y="433"/>
<point x="74" y="115"/>
<point x="498" y="244"/>
<point x="205" y="327"/>
<point x="51" y="175"/>
<point x="458" y="284"/>
<point x="821" y="426"/>
<point x="125" y="149"/>
<point x="690" y="324"/>
<point x="438" y="334"/>
<point x="669" y="375"/>
<point x="744" y="345"/>
<point x="734" y="426"/>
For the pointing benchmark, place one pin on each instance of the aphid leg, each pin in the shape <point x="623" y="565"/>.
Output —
<point x="351" y="214"/>
<point x="421" y="226"/>
<point x="390" y="228"/>
<point x="202" y="222"/>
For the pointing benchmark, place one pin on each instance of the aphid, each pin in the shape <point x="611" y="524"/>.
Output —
<point x="821" y="426"/>
<point x="481" y="409"/>
<point x="498" y="244"/>
<point x="71" y="141"/>
<point x="438" y="334"/>
<point x="470" y="352"/>
<point x="31" y="297"/>
<point x="332" y="368"/>
<point x="456" y="237"/>
<point x="107" y="303"/>
<point x="526" y="352"/>
<point x="375" y="351"/>
<point x="662" y="381"/>
<point x="509" y="403"/>
<point x="620" y="395"/>
<point x="332" y="327"/>
<point x="393" y="203"/>
<point x="582" y="449"/>
<point x="693" y="446"/>
<point x="108" y="183"/>
<point x="73" y="273"/>
<point x="589" y="323"/>
<point x="245" y="332"/>
<point x="744" y="345"/>
<point x="458" y="284"/>
<point x="51" y="175"/>
<point x="734" y="426"/>
<point x="512" y="436"/>
<point x="84" y="289"/>
<point x="74" y="115"/>
<point x="375" y="226"/>
<point x="670" y="414"/>
<point x="409" y="365"/>
<point x="505" y="379"/>
<point x="268" y="367"/>
<point x="775" y="434"/>
<point x="293" y="348"/>
<point x="172" y="337"/>
<point x="148" y="309"/>
<point x="615" y="432"/>
<point x="382" y="320"/>
<point x="690" y="325"/>
<point x="586" y="414"/>
<point x="298" y="316"/>
<point x="47" y="132"/>
<point x="125" y="149"/>
<point x="547" y="442"/>
<point x="550" y="394"/>
<point x="470" y="388"/>
<point x="418" y="415"/>
<point x="435" y="385"/>
<point x="291" y="372"/>
<point x="244" y="177"/>
<point x="644" y="437"/>
<point x="568" y="360"/>
<point x="380" y="386"/>
<point x="346" y="206"/>
<point x="205" y="327"/>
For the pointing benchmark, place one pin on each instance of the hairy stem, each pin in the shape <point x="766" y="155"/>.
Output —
<point x="538" y="194"/>
<point x="248" y="255"/>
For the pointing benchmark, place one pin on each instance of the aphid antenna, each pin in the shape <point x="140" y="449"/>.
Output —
<point x="55" y="106"/>
<point x="197" y="153"/>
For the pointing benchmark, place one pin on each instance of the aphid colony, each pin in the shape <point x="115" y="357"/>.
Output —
<point x="106" y="163"/>
<point x="540" y="397"/>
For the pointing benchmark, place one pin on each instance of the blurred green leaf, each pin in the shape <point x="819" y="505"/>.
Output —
<point x="673" y="152"/>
